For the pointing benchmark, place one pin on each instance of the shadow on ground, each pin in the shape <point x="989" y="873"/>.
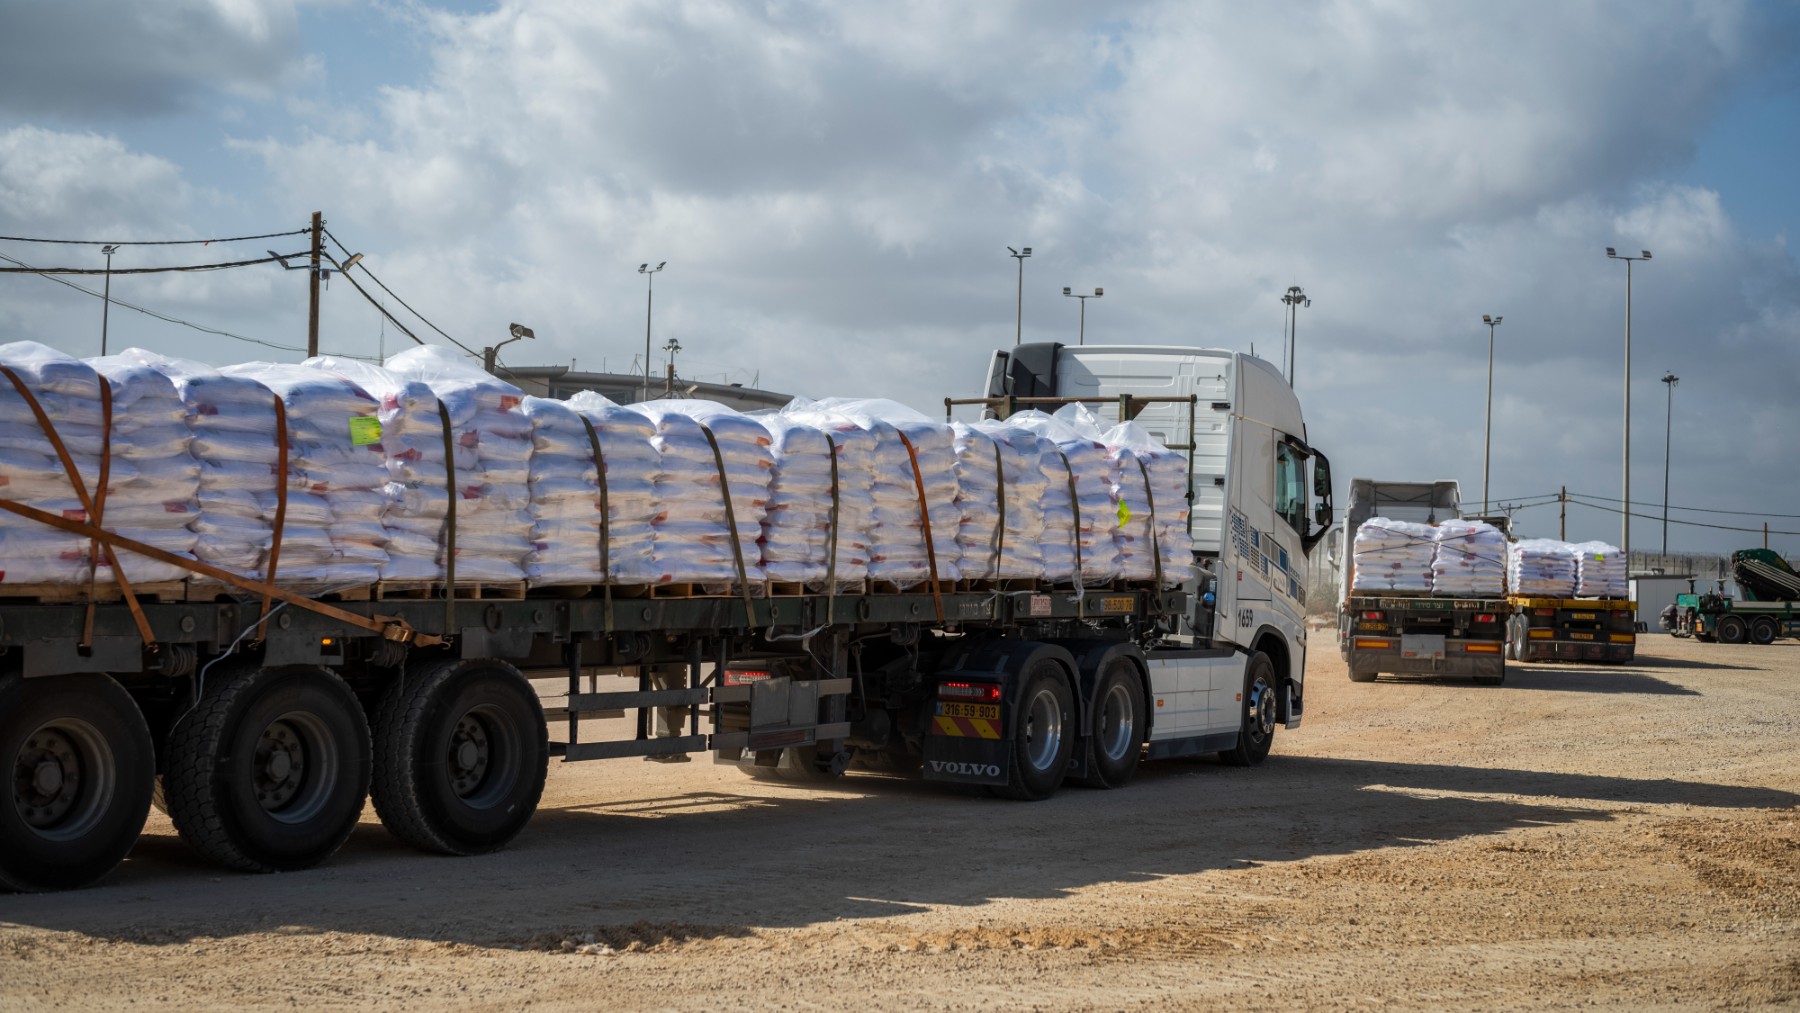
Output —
<point x="714" y="862"/>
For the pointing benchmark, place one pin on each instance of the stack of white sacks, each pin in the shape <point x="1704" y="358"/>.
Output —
<point x="1543" y="567"/>
<point x="369" y="485"/>
<point x="1469" y="560"/>
<point x="1600" y="571"/>
<point x="1391" y="555"/>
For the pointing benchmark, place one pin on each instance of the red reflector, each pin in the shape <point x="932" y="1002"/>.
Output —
<point x="1484" y="618"/>
<point x="744" y="677"/>
<point x="1374" y="616"/>
<point x="984" y="692"/>
<point x="1545" y="612"/>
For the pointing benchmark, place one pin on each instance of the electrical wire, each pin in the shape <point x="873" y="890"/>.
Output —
<point x="116" y="301"/>
<point x="1674" y="520"/>
<point x="143" y="270"/>
<point x="154" y="242"/>
<point x="1697" y="510"/>
<point x="346" y="251"/>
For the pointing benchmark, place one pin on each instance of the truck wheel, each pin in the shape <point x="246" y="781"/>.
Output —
<point x="1115" y="727"/>
<point x="1041" y="736"/>
<point x="1356" y="676"/>
<point x="269" y="771"/>
<point x="1732" y="630"/>
<point x="1762" y="630"/>
<point x="81" y="761"/>
<point x="461" y="753"/>
<point x="1256" y="732"/>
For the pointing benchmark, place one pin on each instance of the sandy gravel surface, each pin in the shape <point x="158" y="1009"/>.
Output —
<point x="1614" y="837"/>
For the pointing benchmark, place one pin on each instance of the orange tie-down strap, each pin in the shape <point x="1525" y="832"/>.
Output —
<point x="390" y="627"/>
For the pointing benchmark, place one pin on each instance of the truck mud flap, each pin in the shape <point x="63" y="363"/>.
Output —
<point x="966" y="760"/>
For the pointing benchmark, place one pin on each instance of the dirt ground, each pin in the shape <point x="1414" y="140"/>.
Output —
<point x="1623" y="837"/>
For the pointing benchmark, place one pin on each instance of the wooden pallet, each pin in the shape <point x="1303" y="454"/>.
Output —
<point x="203" y="590"/>
<point x="1006" y="586"/>
<point x="505" y="590"/>
<point x="784" y="589"/>
<point x="168" y="590"/>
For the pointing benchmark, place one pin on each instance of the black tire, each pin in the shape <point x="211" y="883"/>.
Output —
<point x="1116" y="727"/>
<point x="461" y="753"/>
<point x="1733" y="630"/>
<point x="1256" y="727"/>
<point x="1042" y="735"/>
<point x="1356" y="676"/>
<point x="1762" y="630"/>
<point x="269" y="771"/>
<point x="80" y="759"/>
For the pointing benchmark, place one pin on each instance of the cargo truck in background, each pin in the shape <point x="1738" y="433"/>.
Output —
<point x="1413" y="633"/>
<point x="1766" y="608"/>
<point x="262" y="718"/>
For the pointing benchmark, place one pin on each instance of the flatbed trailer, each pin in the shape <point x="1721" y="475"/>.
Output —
<point x="1572" y="629"/>
<point x="1422" y="635"/>
<point x="1720" y="618"/>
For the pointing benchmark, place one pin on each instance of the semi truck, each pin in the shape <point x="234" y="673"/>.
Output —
<point x="1766" y="608"/>
<point x="1414" y="633"/>
<point x="1572" y="629"/>
<point x="262" y="719"/>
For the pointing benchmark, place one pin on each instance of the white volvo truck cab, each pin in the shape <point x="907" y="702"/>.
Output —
<point x="1260" y="498"/>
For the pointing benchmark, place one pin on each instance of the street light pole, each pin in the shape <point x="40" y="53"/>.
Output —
<point x="1625" y="516"/>
<point x="106" y="298"/>
<point x="1081" y="335"/>
<point x="1487" y="428"/>
<point x="649" y="274"/>
<point x="1294" y="299"/>
<point x="1670" y="380"/>
<point x="1019" y="317"/>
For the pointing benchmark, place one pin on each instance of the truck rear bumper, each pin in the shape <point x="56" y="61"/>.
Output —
<point x="1576" y="650"/>
<point x="1391" y="663"/>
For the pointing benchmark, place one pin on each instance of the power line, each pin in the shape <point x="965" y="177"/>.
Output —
<point x="1699" y="510"/>
<point x="153" y="242"/>
<point x="346" y="251"/>
<point x="1658" y="517"/>
<point x="142" y="270"/>
<point x="169" y="319"/>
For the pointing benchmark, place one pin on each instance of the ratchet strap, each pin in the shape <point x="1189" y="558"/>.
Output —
<point x="737" y="546"/>
<point x="1075" y="509"/>
<point x="999" y="532"/>
<point x="447" y="537"/>
<point x="87" y="505"/>
<point x="281" y="503"/>
<point x="106" y="423"/>
<point x="832" y="552"/>
<point x="937" y="591"/>
<point x="605" y="520"/>
<point x="1155" y="545"/>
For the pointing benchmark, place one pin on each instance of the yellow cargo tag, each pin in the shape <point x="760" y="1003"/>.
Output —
<point x="364" y="430"/>
<point x="1124" y="513"/>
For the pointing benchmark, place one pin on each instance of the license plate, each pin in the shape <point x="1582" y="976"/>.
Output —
<point x="1583" y="615"/>
<point x="1421" y="645"/>
<point x="984" y="711"/>
<point x="1581" y="636"/>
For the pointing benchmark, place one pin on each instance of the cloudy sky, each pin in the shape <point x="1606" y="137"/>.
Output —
<point x="834" y="187"/>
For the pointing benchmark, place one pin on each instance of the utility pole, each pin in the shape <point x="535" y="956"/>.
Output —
<point x="1669" y="380"/>
<point x="1019" y="312"/>
<point x="106" y="304"/>
<point x="1562" y="515"/>
<point x="312" y="312"/>
<point x="1625" y="515"/>
<point x="649" y="274"/>
<point x="1295" y="299"/>
<point x="1487" y="428"/>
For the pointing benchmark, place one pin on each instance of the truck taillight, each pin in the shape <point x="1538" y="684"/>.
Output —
<point x="1374" y="617"/>
<point x="744" y="676"/>
<point x="1484" y="618"/>
<point x="1544" y="612"/>
<point x="980" y="692"/>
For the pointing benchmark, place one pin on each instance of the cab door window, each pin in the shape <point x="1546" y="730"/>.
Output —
<point x="1290" y="487"/>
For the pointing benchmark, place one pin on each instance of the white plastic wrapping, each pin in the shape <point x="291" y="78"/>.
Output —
<point x="492" y="461"/>
<point x="797" y="532"/>
<point x="997" y="471"/>
<point x="567" y="508"/>
<point x="1600" y="571"/>
<point x="694" y="540"/>
<point x="1150" y="484"/>
<point x="1542" y="567"/>
<point x="854" y="447"/>
<point x="1469" y="561"/>
<point x="1390" y="555"/>
<point x="1088" y="522"/>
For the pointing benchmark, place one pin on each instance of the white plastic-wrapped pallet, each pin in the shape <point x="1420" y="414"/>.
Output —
<point x="412" y="445"/>
<point x="854" y="447"/>
<point x="151" y="480"/>
<point x="1543" y="567"/>
<point x="692" y="541"/>
<point x="1390" y="555"/>
<point x="797" y="532"/>
<point x="1095" y="513"/>
<point x="1600" y="571"/>
<point x="1049" y="555"/>
<point x="632" y="467"/>
<point x="332" y="531"/>
<point x="1152" y="479"/>
<point x="492" y="459"/>
<point x="744" y="449"/>
<point x="899" y="553"/>
<point x="232" y="423"/>
<point x="1000" y="495"/>
<point x="1469" y="561"/>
